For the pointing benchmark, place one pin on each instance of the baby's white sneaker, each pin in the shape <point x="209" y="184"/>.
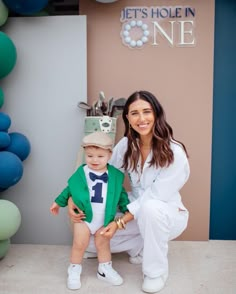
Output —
<point x="73" y="279"/>
<point x="108" y="274"/>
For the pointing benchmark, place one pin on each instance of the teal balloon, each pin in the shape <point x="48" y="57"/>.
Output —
<point x="10" y="219"/>
<point x="3" y="13"/>
<point x="1" y="98"/>
<point x="4" y="247"/>
<point x="8" y="55"/>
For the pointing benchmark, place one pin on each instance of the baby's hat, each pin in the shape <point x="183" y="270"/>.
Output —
<point x="98" y="139"/>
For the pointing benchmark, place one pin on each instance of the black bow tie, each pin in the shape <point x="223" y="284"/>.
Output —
<point x="103" y="177"/>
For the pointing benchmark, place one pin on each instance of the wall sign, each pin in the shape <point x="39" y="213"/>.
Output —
<point x="155" y="25"/>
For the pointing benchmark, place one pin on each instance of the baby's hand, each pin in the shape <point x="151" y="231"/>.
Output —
<point x="54" y="208"/>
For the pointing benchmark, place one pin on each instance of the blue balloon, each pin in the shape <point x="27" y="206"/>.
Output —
<point x="2" y="189"/>
<point x="19" y="145"/>
<point x="5" y="121"/>
<point x="4" y="140"/>
<point x="26" y="6"/>
<point x="11" y="169"/>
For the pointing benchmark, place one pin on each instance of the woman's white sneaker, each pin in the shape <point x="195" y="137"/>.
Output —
<point x="108" y="274"/>
<point x="136" y="259"/>
<point x="73" y="280"/>
<point x="153" y="285"/>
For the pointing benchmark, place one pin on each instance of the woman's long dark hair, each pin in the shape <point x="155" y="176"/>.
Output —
<point x="162" y="135"/>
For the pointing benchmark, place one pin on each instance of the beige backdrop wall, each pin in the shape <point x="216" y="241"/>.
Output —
<point x="181" y="77"/>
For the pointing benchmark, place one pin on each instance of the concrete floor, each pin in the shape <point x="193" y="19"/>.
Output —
<point x="195" y="268"/>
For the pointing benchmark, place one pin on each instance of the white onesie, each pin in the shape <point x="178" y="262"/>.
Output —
<point x="98" y="196"/>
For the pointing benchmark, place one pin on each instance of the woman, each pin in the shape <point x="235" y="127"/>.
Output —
<point x="157" y="167"/>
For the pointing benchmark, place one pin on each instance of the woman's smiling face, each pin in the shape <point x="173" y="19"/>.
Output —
<point x="141" y="117"/>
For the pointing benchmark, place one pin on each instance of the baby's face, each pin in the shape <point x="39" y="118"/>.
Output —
<point x="97" y="158"/>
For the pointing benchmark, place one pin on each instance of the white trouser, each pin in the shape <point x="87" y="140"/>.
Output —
<point x="158" y="222"/>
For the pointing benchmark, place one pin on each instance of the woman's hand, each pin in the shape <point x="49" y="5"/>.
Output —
<point x="75" y="214"/>
<point x="109" y="230"/>
<point x="112" y="227"/>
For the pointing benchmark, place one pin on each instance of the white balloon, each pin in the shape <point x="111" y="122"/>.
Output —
<point x="127" y="27"/>
<point x="144" y="39"/>
<point x="139" y="43"/>
<point x="133" y="43"/>
<point x="126" y="33"/>
<point x="144" y="26"/>
<point x="133" y="23"/>
<point x="139" y="23"/>
<point x="127" y="40"/>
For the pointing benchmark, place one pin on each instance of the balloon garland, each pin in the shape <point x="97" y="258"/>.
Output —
<point x="14" y="147"/>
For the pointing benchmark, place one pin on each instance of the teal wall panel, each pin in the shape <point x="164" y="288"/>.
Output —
<point x="223" y="179"/>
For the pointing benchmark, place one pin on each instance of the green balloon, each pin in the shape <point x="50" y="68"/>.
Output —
<point x="3" y="13"/>
<point x="4" y="246"/>
<point x="7" y="55"/>
<point x="1" y="98"/>
<point x="10" y="219"/>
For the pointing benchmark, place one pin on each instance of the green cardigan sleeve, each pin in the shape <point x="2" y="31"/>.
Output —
<point x="124" y="201"/>
<point x="62" y="199"/>
<point x="116" y="180"/>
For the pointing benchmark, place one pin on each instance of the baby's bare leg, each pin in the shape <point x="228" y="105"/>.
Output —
<point x="105" y="270"/>
<point x="81" y="236"/>
<point x="103" y="247"/>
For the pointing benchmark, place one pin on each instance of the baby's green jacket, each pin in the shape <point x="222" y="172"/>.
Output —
<point x="78" y="189"/>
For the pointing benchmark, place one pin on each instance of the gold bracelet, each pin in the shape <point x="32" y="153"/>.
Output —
<point x="120" y="223"/>
<point x="123" y="223"/>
